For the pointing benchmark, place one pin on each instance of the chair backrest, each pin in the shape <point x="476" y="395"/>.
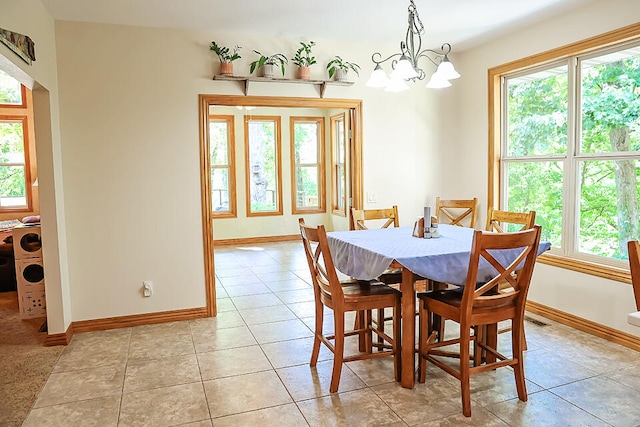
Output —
<point x="323" y="273"/>
<point x="497" y="219"/>
<point x="457" y="212"/>
<point x="359" y="216"/>
<point x="634" y="264"/>
<point x="480" y="292"/>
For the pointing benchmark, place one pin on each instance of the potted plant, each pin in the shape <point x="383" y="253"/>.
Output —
<point x="226" y="56"/>
<point x="340" y="68"/>
<point x="268" y="64"/>
<point x="304" y="59"/>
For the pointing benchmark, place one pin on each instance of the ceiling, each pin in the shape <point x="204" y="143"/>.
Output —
<point x="463" y="23"/>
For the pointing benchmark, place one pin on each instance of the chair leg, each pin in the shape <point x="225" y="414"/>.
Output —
<point x="424" y="327"/>
<point x="491" y="339"/>
<point x="381" y="326"/>
<point x="318" y="333"/>
<point x="397" y="342"/>
<point x="518" y="369"/>
<point x="368" y="338"/>
<point x="360" y="324"/>
<point x="465" y="387"/>
<point x="338" y="354"/>
<point x="438" y="321"/>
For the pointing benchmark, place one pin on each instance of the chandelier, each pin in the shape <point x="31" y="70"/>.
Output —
<point x="406" y="67"/>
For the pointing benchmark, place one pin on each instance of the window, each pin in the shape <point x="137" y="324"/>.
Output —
<point x="222" y="161"/>
<point x="307" y="164"/>
<point x="12" y="93"/>
<point x="338" y="165"/>
<point x="15" y="173"/>
<point x="262" y="165"/>
<point x="568" y="147"/>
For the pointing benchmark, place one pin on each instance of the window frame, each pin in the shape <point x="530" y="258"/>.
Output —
<point x="320" y="165"/>
<point x="23" y="97"/>
<point x="335" y="165"/>
<point x="21" y="113"/>
<point x="278" y="159"/>
<point x="231" y="166"/>
<point x="628" y="34"/>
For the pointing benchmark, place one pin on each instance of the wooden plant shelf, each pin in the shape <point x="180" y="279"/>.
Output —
<point x="246" y="80"/>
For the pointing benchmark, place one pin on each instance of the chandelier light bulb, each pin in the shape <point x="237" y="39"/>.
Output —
<point x="438" y="82"/>
<point x="378" y="78"/>
<point x="404" y="69"/>
<point x="446" y="70"/>
<point x="396" y="84"/>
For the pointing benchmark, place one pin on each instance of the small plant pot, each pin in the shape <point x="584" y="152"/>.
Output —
<point x="304" y="73"/>
<point x="226" y="68"/>
<point x="269" y="71"/>
<point x="341" y="75"/>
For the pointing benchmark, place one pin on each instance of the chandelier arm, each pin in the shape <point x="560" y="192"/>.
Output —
<point x="381" y="61"/>
<point x="440" y="54"/>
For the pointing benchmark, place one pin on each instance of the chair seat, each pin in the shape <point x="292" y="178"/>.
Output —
<point x="453" y="297"/>
<point x="365" y="289"/>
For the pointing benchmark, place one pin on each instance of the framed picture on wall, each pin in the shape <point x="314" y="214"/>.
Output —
<point x="22" y="45"/>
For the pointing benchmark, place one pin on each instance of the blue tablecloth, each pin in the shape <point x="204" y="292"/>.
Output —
<point x="366" y="254"/>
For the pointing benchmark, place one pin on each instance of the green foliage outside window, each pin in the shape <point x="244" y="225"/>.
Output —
<point x="306" y="159"/>
<point x="12" y="171"/>
<point x="606" y="187"/>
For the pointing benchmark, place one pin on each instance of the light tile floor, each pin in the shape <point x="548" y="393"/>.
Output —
<point x="250" y="366"/>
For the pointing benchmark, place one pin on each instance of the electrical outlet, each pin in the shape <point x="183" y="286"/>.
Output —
<point x="147" y="288"/>
<point x="371" y="198"/>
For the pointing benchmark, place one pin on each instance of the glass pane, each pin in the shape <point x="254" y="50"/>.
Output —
<point x="10" y="90"/>
<point x="537" y="186"/>
<point x="263" y="166"/>
<point x="340" y="139"/>
<point x="307" y="187"/>
<point x="537" y="113"/>
<point x="218" y="145"/>
<point x="11" y="142"/>
<point x="12" y="186"/>
<point x="220" y="189"/>
<point x="306" y="142"/>
<point x="610" y="107"/>
<point x="341" y="187"/>
<point x="608" y="206"/>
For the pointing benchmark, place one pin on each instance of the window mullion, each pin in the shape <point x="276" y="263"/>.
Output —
<point x="571" y="192"/>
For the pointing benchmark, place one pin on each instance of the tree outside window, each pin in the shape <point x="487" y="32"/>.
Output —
<point x="576" y="163"/>
<point x="262" y="145"/>
<point x="307" y="140"/>
<point x="221" y="159"/>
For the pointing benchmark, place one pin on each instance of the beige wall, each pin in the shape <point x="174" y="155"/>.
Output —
<point x="593" y="298"/>
<point x="126" y="133"/>
<point x="31" y="18"/>
<point x="129" y="102"/>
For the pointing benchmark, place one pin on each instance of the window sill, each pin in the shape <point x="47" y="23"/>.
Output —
<point x="586" y="267"/>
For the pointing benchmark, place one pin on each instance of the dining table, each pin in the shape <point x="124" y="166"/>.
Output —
<point x="366" y="254"/>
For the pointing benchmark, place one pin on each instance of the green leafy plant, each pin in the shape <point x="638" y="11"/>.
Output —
<point x="224" y="53"/>
<point x="339" y="64"/>
<point x="275" y="59"/>
<point x="304" y="57"/>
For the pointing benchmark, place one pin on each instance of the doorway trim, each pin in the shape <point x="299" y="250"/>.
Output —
<point x="205" y="101"/>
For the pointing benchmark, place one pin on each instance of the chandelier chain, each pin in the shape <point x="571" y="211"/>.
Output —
<point x="415" y="24"/>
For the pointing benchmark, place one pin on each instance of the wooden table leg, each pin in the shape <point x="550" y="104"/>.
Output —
<point x="408" y="328"/>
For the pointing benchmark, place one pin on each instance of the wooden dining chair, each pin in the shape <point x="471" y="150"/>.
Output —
<point x="499" y="221"/>
<point x="479" y="304"/>
<point x="389" y="215"/>
<point x="457" y="212"/>
<point x="634" y="264"/>
<point x="343" y="297"/>
<point x="503" y="221"/>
